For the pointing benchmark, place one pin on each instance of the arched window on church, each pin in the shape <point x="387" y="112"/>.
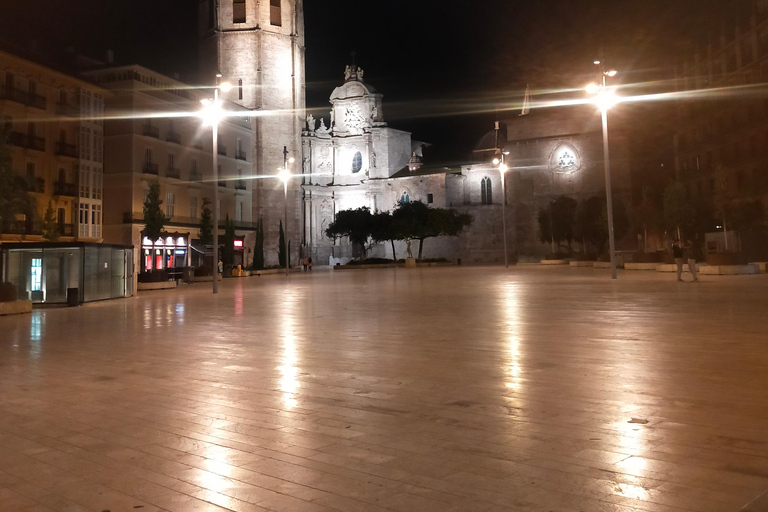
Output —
<point x="405" y="197"/>
<point x="486" y="191"/>
<point x="240" y="89"/>
<point x="357" y="162"/>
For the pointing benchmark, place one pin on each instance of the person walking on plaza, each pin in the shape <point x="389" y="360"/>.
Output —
<point x="304" y="263"/>
<point x="677" y="253"/>
<point x="309" y="262"/>
<point x="691" y="260"/>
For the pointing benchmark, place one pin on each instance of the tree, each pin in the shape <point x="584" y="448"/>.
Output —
<point x="228" y="256"/>
<point x="647" y="215"/>
<point x="679" y="215"/>
<point x="385" y="228"/>
<point x="258" y="251"/>
<point x="14" y="196"/>
<point x="154" y="218"/>
<point x="281" y="247"/>
<point x="592" y="221"/>
<point x="419" y="222"/>
<point x="353" y="224"/>
<point x="206" y="223"/>
<point x="556" y="222"/>
<point x="723" y="197"/>
<point x="50" y="226"/>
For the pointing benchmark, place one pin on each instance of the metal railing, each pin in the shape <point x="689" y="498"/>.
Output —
<point x="198" y="145"/>
<point x="223" y="183"/>
<point x="173" y="137"/>
<point x="25" y="98"/>
<point x="37" y="185"/>
<point x="151" y="131"/>
<point x="66" y="230"/>
<point x="22" y="227"/>
<point x="64" y="149"/>
<point x="240" y="155"/>
<point x="222" y="150"/>
<point x="150" y="168"/>
<point x="240" y="185"/>
<point x="172" y="172"/>
<point x="67" y="110"/>
<point x="36" y="143"/>
<point x="62" y="188"/>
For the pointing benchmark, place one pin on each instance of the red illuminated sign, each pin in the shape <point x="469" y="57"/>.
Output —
<point x="239" y="243"/>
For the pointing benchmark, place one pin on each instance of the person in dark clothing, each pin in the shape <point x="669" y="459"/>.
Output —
<point x="677" y="253"/>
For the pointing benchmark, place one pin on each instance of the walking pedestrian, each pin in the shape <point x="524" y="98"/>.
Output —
<point x="677" y="253"/>
<point x="691" y="260"/>
<point x="304" y="263"/>
<point x="309" y="262"/>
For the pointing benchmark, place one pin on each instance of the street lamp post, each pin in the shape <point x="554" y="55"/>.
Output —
<point x="501" y="162"/>
<point x="284" y="176"/>
<point x="212" y="113"/>
<point x="605" y="101"/>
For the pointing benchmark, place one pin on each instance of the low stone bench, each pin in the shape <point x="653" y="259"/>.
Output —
<point x="672" y="267"/>
<point x="762" y="265"/>
<point x="729" y="270"/>
<point x="641" y="266"/>
<point x="164" y="285"/>
<point x="589" y="264"/>
<point x="16" y="307"/>
<point x="604" y="264"/>
<point x="554" y="262"/>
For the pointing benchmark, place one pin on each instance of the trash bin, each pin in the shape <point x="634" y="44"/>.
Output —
<point x="73" y="297"/>
<point x="189" y="274"/>
<point x="458" y="261"/>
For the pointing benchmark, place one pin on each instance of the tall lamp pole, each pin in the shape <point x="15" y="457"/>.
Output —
<point x="501" y="162"/>
<point x="605" y="100"/>
<point x="212" y="114"/>
<point x="284" y="177"/>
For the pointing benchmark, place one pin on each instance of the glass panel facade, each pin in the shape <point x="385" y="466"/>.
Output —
<point x="44" y="274"/>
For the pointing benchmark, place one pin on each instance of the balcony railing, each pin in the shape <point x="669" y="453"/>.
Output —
<point x="172" y="172"/>
<point x="195" y="176"/>
<point x="152" y="131"/>
<point x="240" y="185"/>
<point x="198" y="145"/>
<point x="240" y="155"/>
<point x="150" y="168"/>
<point x="36" y="143"/>
<point x="222" y="150"/>
<point x="37" y="185"/>
<point x="18" y="139"/>
<point x="23" y="97"/>
<point x="173" y="137"/>
<point x="67" y="110"/>
<point x="66" y="230"/>
<point x="223" y="183"/>
<point x="23" y="140"/>
<point x="22" y="227"/>
<point x="64" y="149"/>
<point x="62" y="188"/>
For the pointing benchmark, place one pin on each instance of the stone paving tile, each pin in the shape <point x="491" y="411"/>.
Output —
<point x="472" y="389"/>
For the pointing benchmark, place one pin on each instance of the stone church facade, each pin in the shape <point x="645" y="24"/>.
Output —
<point x="357" y="160"/>
<point x="258" y="47"/>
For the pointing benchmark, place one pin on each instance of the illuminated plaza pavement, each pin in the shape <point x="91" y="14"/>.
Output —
<point x="458" y="389"/>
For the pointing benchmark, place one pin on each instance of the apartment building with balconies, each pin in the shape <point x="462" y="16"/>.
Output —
<point x="54" y="127"/>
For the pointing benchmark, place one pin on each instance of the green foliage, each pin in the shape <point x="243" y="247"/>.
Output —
<point x="418" y="221"/>
<point x="228" y="256"/>
<point x="724" y="194"/>
<point x="592" y="221"/>
<point x="354" y="224"/>
<point x="206" y="223"/>
<point x="50" y="226"/>
<point x="258" y="251"/>
<point x="679" y="213"/>
<point x="556" y="222"/>
<point x="385" y="228"/>
<point x="154" y="218"/>
<point x="281" y="247"/>
<point x="14" y="196"/>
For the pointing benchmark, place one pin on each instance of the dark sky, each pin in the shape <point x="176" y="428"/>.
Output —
<point x="439" y="63"/>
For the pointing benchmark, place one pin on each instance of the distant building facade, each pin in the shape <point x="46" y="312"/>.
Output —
<point x="56" y="135"/>
<point x="146" y="142"/>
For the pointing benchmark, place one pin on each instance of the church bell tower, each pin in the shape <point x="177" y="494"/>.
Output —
<point x="258" y="47"/>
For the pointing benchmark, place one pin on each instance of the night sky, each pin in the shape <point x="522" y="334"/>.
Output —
<point x="444" y="66"/>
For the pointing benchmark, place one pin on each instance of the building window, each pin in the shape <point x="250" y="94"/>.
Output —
<point x="357" y="162"/>
<point x="238" y="11"/>
<point x="486" y="191"/>
<point x="97" y="182"/>
<point x="193" y="207"/>
<point x="36" y="279"/>
<point x="170" y="204"/>
<point x="240" y="89"/>
<point x="430" y="199"/>
<point x="275" y="16"/>
<point x="239" y="212"/>
<point x="193" y="176"/>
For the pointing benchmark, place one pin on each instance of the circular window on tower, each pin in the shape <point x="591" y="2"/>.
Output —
<point x="357" y="162"/>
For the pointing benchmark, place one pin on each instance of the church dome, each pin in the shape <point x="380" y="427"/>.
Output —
<point x="353" y="87"/>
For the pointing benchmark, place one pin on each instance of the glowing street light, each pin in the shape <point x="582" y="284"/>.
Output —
<point x="284" y="176"/>
<point x="212" y="114"/>
<point x="605" y="99"/>
<point x="501" y="162"/>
